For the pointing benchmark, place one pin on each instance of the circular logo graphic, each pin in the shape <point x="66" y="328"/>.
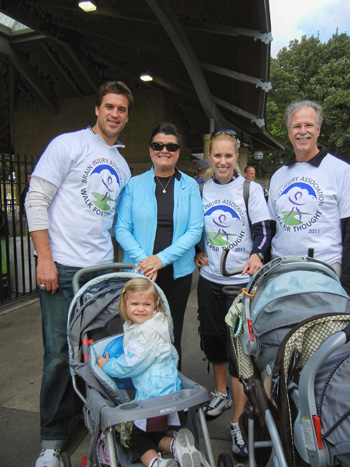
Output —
<point x="222" y="225"/>
<point x="103" y="186"/>
<point x="297" y="204"/>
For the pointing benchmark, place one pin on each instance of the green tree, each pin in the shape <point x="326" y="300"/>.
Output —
<point x="312" y="70"/>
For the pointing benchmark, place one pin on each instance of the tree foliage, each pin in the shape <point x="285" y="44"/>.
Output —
<point x="312" y="70"/>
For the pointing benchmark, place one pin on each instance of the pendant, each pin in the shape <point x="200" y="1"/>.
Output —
<point x="164" y="191"/>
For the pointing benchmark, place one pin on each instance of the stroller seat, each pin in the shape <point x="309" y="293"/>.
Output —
<point x="296" y="377"/>
<point x="93" y="322"/>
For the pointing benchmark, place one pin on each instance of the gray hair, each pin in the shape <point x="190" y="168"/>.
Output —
<point x="297" y="105"/>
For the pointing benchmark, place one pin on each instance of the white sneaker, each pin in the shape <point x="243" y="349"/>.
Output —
<point x="239" y="450"/>
<point x="48" y="458"/>
<point x="217" y="404"/>
<point x="165" y="462"/>
<point x="184" y="450"/>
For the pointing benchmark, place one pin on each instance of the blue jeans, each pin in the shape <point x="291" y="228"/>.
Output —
<point x="57" y="398"/>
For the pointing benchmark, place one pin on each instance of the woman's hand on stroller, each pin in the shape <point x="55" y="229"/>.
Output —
<point x="252" y="265"/>
<point x="102" y="360"/>
<point x="201" y="259"/>
<point x="150" y="266"/>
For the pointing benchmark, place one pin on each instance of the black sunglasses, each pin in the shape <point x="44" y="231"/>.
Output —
<point x="171" y="147"/>
<point x="226" y="132"/>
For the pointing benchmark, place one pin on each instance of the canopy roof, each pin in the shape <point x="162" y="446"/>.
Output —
<point x="211" y="58"/>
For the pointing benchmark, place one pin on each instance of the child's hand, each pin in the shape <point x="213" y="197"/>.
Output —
<point x="101" y="361"/>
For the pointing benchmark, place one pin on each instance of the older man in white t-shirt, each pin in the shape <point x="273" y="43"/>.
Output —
<point x="309" y="198"/>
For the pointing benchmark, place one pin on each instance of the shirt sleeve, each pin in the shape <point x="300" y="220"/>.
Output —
<point x="41" y="193"/>
<point x="125" y="226"/>
<point x="261" y="236"/>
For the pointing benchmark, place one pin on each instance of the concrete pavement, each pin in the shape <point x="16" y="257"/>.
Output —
<point x="20" y="379"/>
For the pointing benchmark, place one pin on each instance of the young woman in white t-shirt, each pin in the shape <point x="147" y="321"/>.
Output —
<point x="227" y="224"/>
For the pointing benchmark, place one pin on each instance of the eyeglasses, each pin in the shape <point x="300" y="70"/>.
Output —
<point x="171" y="147"/>
<point x="226" y="132"/>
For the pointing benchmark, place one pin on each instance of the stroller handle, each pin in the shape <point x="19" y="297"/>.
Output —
<point x="346" y="331"/>
<point x="224" y="271"/>
<point x="99" y="267"/>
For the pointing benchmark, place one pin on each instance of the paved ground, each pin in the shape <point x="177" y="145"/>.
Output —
<point x="20" y="378"/>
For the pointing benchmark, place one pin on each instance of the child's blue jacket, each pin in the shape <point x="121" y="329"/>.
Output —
<point x="149" y="359"/>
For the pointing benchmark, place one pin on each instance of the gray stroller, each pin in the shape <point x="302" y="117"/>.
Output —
<point x="93" y="323"/>
<point x="290" y="336"/>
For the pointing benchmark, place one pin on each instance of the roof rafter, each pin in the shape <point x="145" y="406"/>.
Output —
<point x="265" y="37"/>
<point x="175" y="31"/>
<point x="265" y="86"/>
<point x="22" y="66"/>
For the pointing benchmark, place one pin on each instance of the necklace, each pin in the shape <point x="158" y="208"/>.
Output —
<point x="164" y="187"/>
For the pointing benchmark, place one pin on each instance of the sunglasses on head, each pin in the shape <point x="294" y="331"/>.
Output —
<point x="170" y="147"/>
<point x="226" y="132"/>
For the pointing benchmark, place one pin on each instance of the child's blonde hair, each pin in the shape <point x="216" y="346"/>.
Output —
<point x="139" y="284"/>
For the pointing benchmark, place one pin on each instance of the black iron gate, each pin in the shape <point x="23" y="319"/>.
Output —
<point x="17" y="263"/>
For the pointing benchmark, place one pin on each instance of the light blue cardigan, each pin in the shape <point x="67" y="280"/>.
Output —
<point x="136" y="225"/>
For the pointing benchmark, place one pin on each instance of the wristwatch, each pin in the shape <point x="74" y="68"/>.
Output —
<point x="261" y="256"/>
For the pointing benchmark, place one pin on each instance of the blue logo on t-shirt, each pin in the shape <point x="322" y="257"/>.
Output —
<point x="222" y="224"/>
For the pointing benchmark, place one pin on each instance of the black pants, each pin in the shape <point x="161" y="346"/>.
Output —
<point x="213" y="306"/>
<point x="176" y="292"/>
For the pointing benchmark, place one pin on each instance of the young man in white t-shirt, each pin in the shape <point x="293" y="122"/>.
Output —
<point x="309" y="198"/>
<point x="70" y="207"/>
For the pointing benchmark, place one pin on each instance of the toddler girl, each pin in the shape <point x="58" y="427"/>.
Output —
<point x="150" y="360"/>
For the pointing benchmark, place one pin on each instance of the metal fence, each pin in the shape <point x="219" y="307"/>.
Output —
<point x="17" y="262"/>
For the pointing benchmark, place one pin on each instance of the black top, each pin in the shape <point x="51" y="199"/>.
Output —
<point x="165" y="205"/>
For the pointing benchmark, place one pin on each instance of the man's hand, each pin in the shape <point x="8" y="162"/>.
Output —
<point x="46" y="271"/>
<point x="47" y="275"/>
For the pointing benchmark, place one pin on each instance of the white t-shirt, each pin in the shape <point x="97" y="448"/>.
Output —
<point x="226" y="225"/>
<point x="90" y="176"/>
<point x="307" y="202"/>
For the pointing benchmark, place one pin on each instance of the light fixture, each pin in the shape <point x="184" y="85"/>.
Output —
<point x="146" y="77"/>
<point x="258" y="155"/>
<point x="87" y="6"/>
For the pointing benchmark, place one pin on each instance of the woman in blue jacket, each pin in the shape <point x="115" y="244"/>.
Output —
<point x="160" y="219"/>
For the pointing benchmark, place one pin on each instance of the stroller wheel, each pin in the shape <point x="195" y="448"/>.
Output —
<point x="64" y="460"/>
<point x="225" y="460"/>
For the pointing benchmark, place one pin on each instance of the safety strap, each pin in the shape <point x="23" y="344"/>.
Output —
<point x="246" y="188"/>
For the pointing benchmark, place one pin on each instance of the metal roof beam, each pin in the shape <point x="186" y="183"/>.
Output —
<point x="265" y="86"/>
<point x="61" y="70"/>
<point x="23" y="67"/>
<point x="260" y="122"/>
<point x="81" y="68"/>
<point x="265" y="37"/>
<point x="28" y="37"/>
<point x="175" y="31"/>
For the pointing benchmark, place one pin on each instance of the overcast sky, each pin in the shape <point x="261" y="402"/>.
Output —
<point x="291" y="19"/>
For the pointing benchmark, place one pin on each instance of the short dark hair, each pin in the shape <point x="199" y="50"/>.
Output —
<point x="166" y="128"/>
<point x="118" y="87"/>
